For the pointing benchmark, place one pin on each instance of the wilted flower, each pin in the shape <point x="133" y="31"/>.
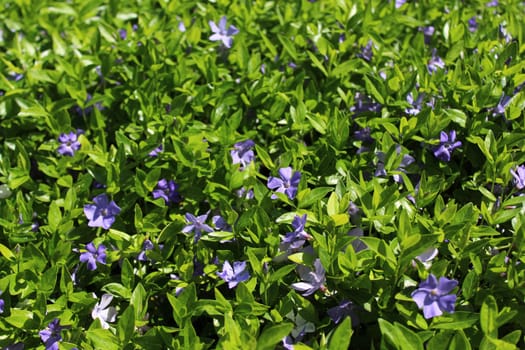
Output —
<point x="69" y="143"/>
<point x="243" y="153"/>
<point x="435" y="62"/>
<point x="146" y="245"/>
<point x="222" y="33"/>
<point x="447" y="144"/>
<point x="234" y="275"/>
<point x="312" y="280"/>
<point x="102" y="213"/>
<point x="93" y="255"/>
<point x="519" y="177"/>
<point x="295" y="239"/>
<point x="51" y="335"/>
<point x="287" y="184"/>
<point x="197" y="225"/>
<point x="341" y="311"/>
<point x="104" y="312"/>
<point x="433" y="296"/>
<point x="167" y="190"/>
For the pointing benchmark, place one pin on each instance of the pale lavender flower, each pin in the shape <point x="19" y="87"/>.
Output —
<point x="366" y="51"/>
<point x="2" y="304"/>
<point x="428" y="32"/>
<point x="167" y="190"/>
<point x="433" y="296"/>
<point x="492" y="3"/>
<point x="472" y="24"/>
<point x="294" y="240"/>
<point x="447" y="144"/>
<point x="435" y="62"/>
<point x="156" y="151"/>
<point x="234" y="275"/>
<point x="243" y="153"/>
<point x="501" y="106"/>
<point x="197" y="225"/>
<point x="220" y="224"/>
<point x="246" y="194"/>
<point x="400" y="3"/>
<point x="146" y="245"/>
<point x="181" y="27"/>
<point x="519" y="177"/>
<point x="102" y="213"/>
<point x="287" y="183"/>
<point x="93" y="255"/>
<point x="51" y="335"/>
<point x="69" y="144"/>
<point x="222" y="33"/>
<point x="416" y="105"/>
<point x="344" y="309"/>
<point x="426" y="257"/>
<point x="123" y="33"/>
<point x="505" y="34"/>
<point x="312" y="280"/>
<point x="104" y="312"/>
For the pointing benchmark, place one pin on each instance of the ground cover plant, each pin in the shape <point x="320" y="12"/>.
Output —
<point x="262" y="174"/>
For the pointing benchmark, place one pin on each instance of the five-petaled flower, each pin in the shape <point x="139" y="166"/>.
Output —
<point x="519" y="177"/>
<point x="435" y="62"/>
<point x="102" y="213"/>
<point x="286" y="184"/>
<point x="104" y="312"/>
<point x="93" y="255"/>
<point x="51" y="335"/>
<point x="434" y="296"/>
<point x="243" y="153"/>
<point x="222" y="33"/>
<point x="295" y="239"/>
<point x="312" y="280"/>
<point x="197" y="225"/>
<point x="234" y="275"/>
<point x="167" y="190"/>
<point x="69" y="143"/>
<point x="447" y="144"/>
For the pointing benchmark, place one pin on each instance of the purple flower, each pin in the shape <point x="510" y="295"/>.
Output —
<point x="2" y="304"/>
<point x="519" y="177"/>
<point x="472" y="24"/>
<point x="294" y="240"/>
<point x="341" y="311"/>
<point x="435" y="62"/>
<point x="146" y="245"/>
<point x="167" y="190"/>
<point x="222" y="33"/>
<point x="366" y="52"/>
<point x="17" y="346"/>
<point x="68" y="144"/>
<point x="123" y="33"/>
<point x="287" y="183"/>
<point x="428" y="32"/>
<point x="220" y="224"/>
<point x="93" y="255"/>
<point x="433" y="296"/>
<point x="156" y="151"/>
<point x="234" y="275"/>
<point x="400" y="3"/>
<point x="501" y="106"/>
<point x="426" y="257"/>
<point x="181" y="27"/>
<point x="493" y="3"/>
<point x="416" y="105"/>
<point x="102" y="213"/>
<point x="51" y="335"/>
<point x="364" y="104"/>
<point x="447" y="144"/>
<point x="312" y="280"/>
<point x="197" y="225"/>
<point x="104" y="312"/>
<point x="243" y="193"/>
<point x="243" y="153"/>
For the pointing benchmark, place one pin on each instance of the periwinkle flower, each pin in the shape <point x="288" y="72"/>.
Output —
<point x="399" y="3"/>
<point x="167" y="190"/>
<point x="472" y="24"/>
<point x="519" y="177"/>
<point x="220" y="224"/>
<point x="156" y="151"/>
<point x="435" y="62"/>
<point x="146" y="245"/>
<point x="69" y="144"/>
<point x="426" y="257"/>
<point x="294" y="240"/>
<point x="364" y="104"/>
<point x="243" y="153"/>
<point x="123" y="34"/>
<point x="243" y="193"/>
<point x="492" y="3"/>
<point x="287" y="183"/>
<point x="222" y="33"/>
<point x="181" y="27"/>
<point x="197" y="225"/>
<point x="428" y="32"/>
<point x="344" y="309"/>
<point x="234" y="275"/>
<point x="434" y="296"/>
<point x="2" y="304"/>
<point x="366" y="51"/>
<point x="51" y="335"/>
<point x="102" y="213"/>
<point x="416" y="105"/>
<point x="312" y="279"/>
<point x="93" y="255"/>
<point x="447" y="144"/>
<point x="501" y="106"/>
<point x="104" y="312"/>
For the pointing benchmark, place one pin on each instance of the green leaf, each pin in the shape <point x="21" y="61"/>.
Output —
<point x="273" y="335"/>
<point x="126" y="325"/>
<point x="313" y="196"/>
<point x="340" y="338"/>
<point x="102" y="339"/>
<point x="488" y="317"/>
